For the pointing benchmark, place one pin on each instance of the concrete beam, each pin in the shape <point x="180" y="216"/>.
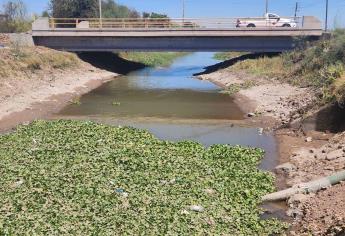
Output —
<point x="96" y="43"/>
<point x="177" y="33"/>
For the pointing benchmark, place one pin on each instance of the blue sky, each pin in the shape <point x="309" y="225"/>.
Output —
<point x="224" y="8"/>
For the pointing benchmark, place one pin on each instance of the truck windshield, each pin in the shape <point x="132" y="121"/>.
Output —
<point x="273" y="16"/>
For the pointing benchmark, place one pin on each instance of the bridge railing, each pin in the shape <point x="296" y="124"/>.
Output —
<point x="161" y="23"/>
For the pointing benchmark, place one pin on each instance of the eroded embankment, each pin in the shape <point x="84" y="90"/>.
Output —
<point x="37" y="81"/>
<point x="308" y="148"/>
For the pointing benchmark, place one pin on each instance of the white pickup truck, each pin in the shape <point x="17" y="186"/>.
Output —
<point x="269" y="20"/>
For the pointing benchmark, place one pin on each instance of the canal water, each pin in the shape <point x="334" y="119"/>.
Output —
<point x="173" y="105"/>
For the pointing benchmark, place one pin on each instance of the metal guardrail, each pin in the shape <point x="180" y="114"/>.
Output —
<point x="162" y="23"/>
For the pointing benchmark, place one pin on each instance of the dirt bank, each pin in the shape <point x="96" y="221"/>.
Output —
<point x="267" y="98"/>
<point x="36" y="82"/>
<point x="24" y="100"/>
<point x="306" y="151"/>
<point x="322" y="213"/>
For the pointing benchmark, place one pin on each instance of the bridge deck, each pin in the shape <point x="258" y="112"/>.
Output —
<point x="177" y="33"/>
<point x="167" y="35"/>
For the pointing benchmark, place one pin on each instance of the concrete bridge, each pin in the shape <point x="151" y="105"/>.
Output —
<point x="169" y="35"/>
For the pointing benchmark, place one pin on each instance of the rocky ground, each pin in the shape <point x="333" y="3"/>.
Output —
<point x="322" y="213"/>
<point x="4" y="39"/>
<point x="305" y="155"/>
<point x="308" y="164"/>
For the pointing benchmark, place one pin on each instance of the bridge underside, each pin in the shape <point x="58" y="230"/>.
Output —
<point x="197" y="43"/>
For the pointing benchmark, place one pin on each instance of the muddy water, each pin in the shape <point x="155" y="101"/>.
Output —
<point x="173" y="105"/>
<point x="161" y="93"/>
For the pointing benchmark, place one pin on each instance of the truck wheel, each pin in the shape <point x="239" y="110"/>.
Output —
<point x="251" y="25"/>
<point x="286" y="25"/>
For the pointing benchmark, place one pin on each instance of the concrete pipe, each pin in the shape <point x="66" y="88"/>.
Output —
<point x="310" y="187"/>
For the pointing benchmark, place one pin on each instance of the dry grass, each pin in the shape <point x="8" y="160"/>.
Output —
<point x="15" y="26"/>
<point x="152" y="58"/>
<point x="319" y="65"/>
<point x="227" y="55"/>
<point x="339" y="89"/>
<point x="17" y="61"/>
<point x="264" y="66"/>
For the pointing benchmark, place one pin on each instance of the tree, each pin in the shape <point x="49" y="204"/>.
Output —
<point x="146" y="15"/>
<point x="17" y="19"/>
<point x="74" y="8"/>
<point x="15" y="10"/>
<point x="45" y="14"/>
<point x="158" y="16"/>
<point x="154" y="15"/>
<point x="89" y="9"/>
<point x="113" y="10"/>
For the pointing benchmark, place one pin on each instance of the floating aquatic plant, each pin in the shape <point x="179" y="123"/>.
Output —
<point x="82" y="178"/>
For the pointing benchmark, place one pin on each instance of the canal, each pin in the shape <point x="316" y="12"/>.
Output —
<point x="173" y="105"/>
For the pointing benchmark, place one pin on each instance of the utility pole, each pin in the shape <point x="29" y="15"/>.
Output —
<point x="266" y="7"/>
<point x="326" y="20"/>
<point x="296" y="9"/>
<point x="183" y="9"/>
<point x="100" y="14"/>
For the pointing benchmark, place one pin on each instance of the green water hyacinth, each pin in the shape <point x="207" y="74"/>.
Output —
<point x="82" y="178"/>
